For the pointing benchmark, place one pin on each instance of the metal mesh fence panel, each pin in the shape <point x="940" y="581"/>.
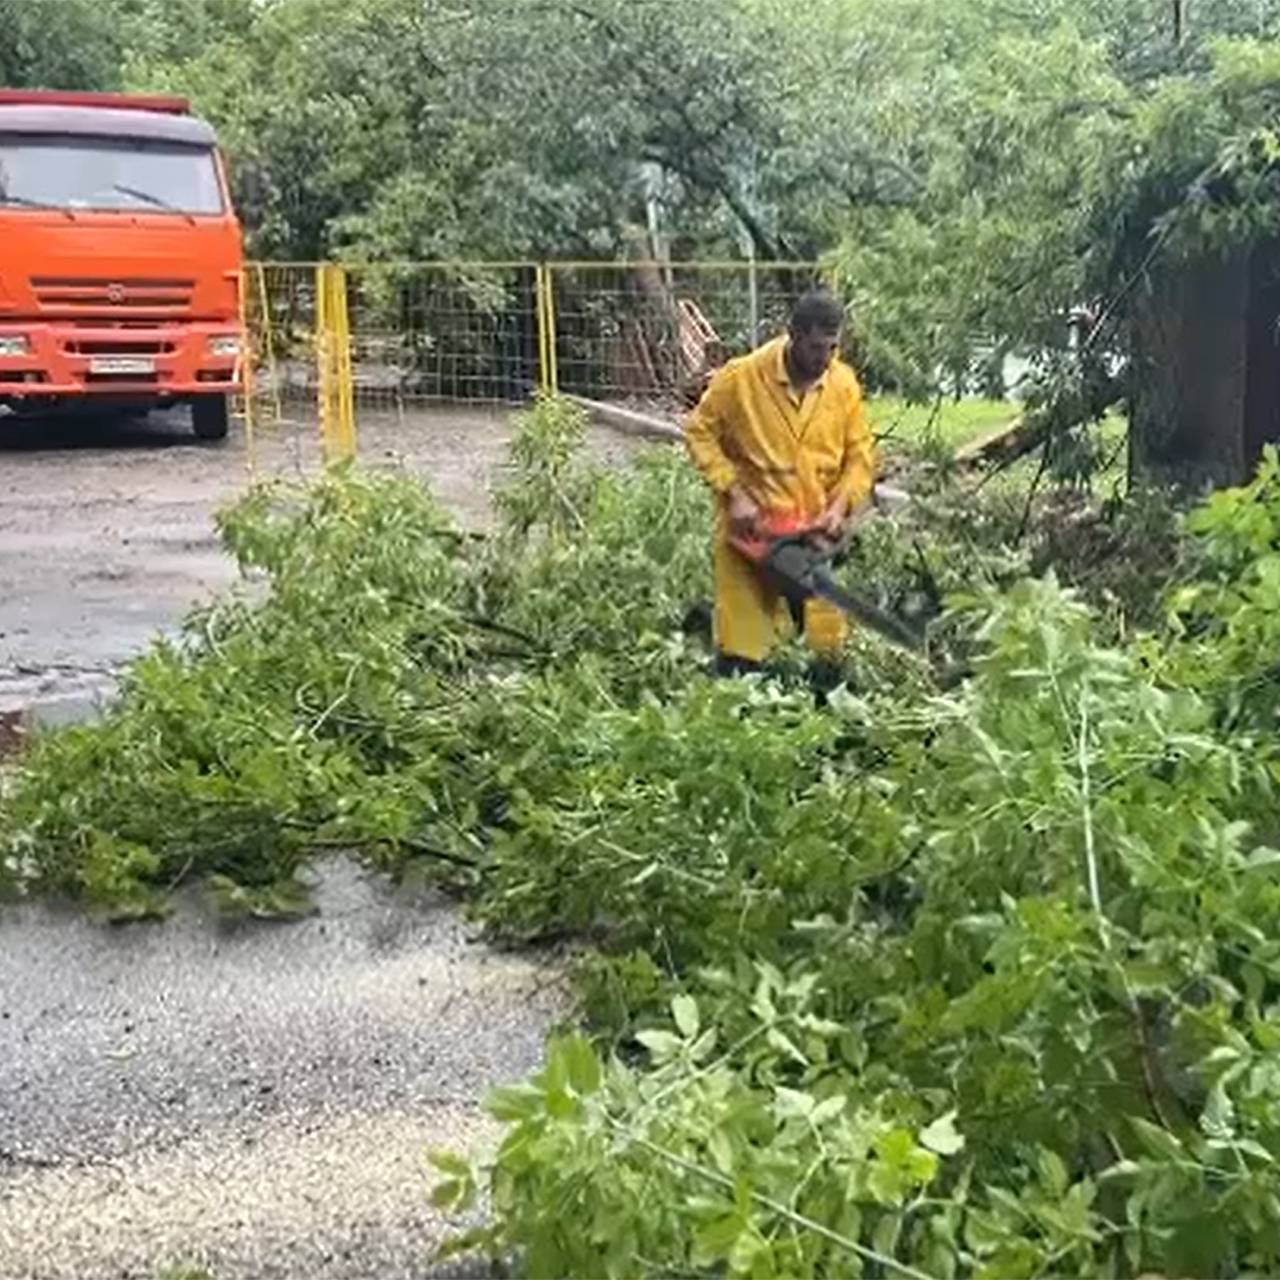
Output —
<point x="648" y="331"/>
<point x="431" y="333"/>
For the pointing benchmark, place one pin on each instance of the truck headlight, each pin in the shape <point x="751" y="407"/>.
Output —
<point x="226" y="346"/>
<point x="14" y="344"/>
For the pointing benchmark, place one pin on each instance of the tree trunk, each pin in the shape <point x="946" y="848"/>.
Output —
<point x="1262" y="383"/>
<point x="1188" y="373"/>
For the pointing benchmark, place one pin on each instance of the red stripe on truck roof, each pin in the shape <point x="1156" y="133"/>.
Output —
<point x="116" y="101"/>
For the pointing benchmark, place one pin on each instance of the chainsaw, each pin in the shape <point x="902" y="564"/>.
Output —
<point x="795" y="559"/>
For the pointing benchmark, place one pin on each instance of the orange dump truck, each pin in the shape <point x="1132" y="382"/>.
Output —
<point x="120" y="257"/>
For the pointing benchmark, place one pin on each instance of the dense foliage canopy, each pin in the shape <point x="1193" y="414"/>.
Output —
<point x="970" y="165"/>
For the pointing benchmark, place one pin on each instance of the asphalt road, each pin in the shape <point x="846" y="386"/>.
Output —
<point x="256" y="1099"/>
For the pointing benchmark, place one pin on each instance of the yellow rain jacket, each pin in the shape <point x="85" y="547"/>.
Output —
<point x="791" y="454"/>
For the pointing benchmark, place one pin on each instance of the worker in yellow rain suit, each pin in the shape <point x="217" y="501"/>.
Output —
<point x="781" y="430"/>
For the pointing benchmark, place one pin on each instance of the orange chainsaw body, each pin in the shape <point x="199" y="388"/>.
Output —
<point x="771" y="527"/>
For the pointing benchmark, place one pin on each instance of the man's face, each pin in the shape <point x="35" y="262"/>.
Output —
<point x="812" y="350"/>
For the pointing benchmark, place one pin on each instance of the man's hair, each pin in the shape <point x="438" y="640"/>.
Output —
<point x="817" y="309"/>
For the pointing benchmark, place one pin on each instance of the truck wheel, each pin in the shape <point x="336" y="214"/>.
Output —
<point x="209" y="417"/>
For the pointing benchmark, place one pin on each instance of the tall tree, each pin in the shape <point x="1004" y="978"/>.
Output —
<point x="73" y="44"/>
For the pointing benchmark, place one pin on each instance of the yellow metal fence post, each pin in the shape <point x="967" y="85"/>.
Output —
<point x="540" y="306"/>
<point x="324" y="371"/>
<point x="544" y="296"/>
<point x="269" y="342"/>
<point x="333" y="359"/>
<point x="553" y="369"/>
<point x="346" y="391"/>
<point x="245" y="369"/>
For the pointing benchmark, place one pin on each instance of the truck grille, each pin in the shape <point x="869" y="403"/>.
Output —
<point x="112" y="347"/>
<point x="74" y="294"/>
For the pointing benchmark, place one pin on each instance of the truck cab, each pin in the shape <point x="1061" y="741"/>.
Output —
<point x="120" y="257"/>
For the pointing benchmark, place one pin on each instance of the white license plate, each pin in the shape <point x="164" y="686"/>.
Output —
<point x="122" y="364"/>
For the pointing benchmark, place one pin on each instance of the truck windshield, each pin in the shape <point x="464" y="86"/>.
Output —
<point x="106" y="173"/>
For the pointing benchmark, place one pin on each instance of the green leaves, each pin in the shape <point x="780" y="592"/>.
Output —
<point x="1157" y="1142"/>
<point x="1217" y="1120"/>
<point x="684" y="1009"/>
<point x="942" y="1137"/>
<point x="581" y="1064"/>
<point x="944" y="1059"/>
<point x="663" y="1045"/>
<point x="456" y="1190"/>
<point x="308" y="720"/>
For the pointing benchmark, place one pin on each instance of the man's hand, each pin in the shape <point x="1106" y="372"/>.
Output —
<point x="743" y="514"/>
<point x="838" y="519"/>
<point x="830" y="524"/>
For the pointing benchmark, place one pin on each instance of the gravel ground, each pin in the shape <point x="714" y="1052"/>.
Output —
<point x="255" y="1100"/>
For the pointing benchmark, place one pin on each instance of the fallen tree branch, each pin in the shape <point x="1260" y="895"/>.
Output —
<point x="1011" y="440"/>
<point x="631" y="421"/>
<point x="783" y="1211"/>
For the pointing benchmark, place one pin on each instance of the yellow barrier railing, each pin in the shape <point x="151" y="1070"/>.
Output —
<point x="388" y="340"/>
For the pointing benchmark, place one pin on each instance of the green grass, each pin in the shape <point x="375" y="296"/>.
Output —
<point x="950" y="423"/>
<point x="1112" y="477"/>
<point x="937" y="428"/>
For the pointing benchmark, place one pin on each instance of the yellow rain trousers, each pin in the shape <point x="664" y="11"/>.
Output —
<point x="791" y="454"/>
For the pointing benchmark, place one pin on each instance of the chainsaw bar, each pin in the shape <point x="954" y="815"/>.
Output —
<point x="799" y="575"/>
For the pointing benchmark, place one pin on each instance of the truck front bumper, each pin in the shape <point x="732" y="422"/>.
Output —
<point x="160" y="360"/>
